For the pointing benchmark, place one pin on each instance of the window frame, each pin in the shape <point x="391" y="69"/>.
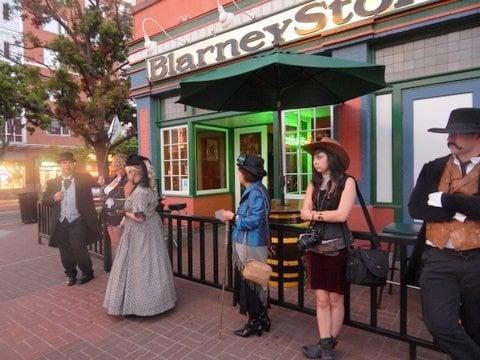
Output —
<point x="227" y="163"/>
<point x="162" y="162"/>
<point x="23" y="135"/>
<point x="299" y="196"/>
<point x="62" y="129"/>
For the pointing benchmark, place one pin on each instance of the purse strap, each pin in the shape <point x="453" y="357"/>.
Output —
<point x="371" y="227"/>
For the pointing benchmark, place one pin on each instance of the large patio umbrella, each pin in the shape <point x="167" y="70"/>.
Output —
<point x="280" y="80"/>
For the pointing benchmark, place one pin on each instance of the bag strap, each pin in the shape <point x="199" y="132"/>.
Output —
<point x="371" y="227"/>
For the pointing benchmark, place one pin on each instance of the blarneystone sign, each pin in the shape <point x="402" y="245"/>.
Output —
<point x="310" y="19"/>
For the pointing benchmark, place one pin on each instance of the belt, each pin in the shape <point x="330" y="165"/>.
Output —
<point x="455" y="252"/>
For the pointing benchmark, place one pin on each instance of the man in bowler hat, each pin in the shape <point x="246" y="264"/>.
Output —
<point x="447" y="198"/>
<point x="74" y="222"/>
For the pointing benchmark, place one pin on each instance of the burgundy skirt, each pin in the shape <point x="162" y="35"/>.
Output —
<point x="327" y="272"/>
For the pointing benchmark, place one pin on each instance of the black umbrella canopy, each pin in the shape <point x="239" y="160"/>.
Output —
<point x="281" y="80"/>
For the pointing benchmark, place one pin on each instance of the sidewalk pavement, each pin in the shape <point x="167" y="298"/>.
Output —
<point x="42" y="318"/>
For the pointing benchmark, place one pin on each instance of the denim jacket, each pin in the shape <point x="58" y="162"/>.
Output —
<point x="252" y="216"/>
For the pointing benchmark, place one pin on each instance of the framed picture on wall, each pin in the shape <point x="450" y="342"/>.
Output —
<point x="211" y="150"/>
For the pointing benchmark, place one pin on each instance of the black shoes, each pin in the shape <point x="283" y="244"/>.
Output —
<point x="85" y="278"/>
<point x="323" y="349"/>
<point x="71" y="280"/>
<point x="252" y="327"/>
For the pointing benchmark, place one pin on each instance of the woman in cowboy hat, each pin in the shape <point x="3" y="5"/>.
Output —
<point x="328" y="201"/>
<point x="250" y="236"/>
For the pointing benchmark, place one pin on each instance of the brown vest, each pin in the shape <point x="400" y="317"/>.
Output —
<point x="464" y="236"/>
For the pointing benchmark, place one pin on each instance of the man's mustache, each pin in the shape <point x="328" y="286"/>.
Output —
<point x="451" y="143"/>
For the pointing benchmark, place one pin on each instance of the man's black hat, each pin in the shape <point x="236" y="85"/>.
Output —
<point x="252" y="163"/>
<point x="461" y="121"/>
<point x="65" y="156"/>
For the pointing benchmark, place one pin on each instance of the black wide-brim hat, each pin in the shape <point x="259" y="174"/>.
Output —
<point x="253" y="164"/>
<point x="330" y="146"/>
<point x="461" y="121"/>
<point x="65" y="156"/>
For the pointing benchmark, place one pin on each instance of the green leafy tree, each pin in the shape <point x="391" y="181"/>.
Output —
<point x="89" y="83"/>
<point x="23" y="95"/>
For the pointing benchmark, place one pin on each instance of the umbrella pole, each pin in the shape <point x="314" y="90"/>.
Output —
<point x="279" y="144"/>
<point x="224" y="277"/>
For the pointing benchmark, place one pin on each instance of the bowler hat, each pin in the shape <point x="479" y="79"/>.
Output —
<point x="461" y="121"/>
<point x="65" y="156"/>
<point x="330" y="146"/>
<point x="252" y="163"/>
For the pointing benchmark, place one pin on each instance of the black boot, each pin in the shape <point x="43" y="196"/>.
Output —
<point x="326" y="348"/>
<point x="265" y="321"/>
<point x="252" y="327"/>
<point x="315" y="351"/>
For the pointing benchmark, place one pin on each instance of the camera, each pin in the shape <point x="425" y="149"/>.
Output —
<point x="307" y="240"/>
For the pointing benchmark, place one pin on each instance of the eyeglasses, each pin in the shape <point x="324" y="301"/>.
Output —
<point x="241" y="160"/>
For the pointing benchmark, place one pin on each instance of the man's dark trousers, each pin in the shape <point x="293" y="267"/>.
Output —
<point x="70" y="238"/>
<point x="451" y="279"/>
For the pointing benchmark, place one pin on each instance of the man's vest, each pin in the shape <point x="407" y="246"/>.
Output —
<point x="466" y="235"/>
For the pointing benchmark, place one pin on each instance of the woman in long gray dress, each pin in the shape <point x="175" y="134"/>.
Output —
<point x="141" y="280"/>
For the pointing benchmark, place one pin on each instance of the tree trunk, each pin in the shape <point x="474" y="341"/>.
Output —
<point x="101" y="152"/>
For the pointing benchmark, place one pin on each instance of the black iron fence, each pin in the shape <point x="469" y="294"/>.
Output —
<point x="200" y="248"/>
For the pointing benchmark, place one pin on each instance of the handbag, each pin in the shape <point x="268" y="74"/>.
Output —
<point x="367" y="267"/>
<point x="254" y="270"/>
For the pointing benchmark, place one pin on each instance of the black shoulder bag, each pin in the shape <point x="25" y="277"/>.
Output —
<point x="367" y="267"/>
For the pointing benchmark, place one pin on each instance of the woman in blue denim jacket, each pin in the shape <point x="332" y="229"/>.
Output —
<point x="250" y="228"/>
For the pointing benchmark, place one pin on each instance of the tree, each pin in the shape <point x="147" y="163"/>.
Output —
<point x="23" y="96"/>
<point x="89" y="83"/>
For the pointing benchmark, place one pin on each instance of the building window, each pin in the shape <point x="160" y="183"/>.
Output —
<point x="211" y="159"/>
<point x="384" y="148"/>
<point x="46" y="171"/>
<point x="14" y="131"/>
<point x="7" y="11"/>
<point x="6" y="49"/>
<point x="12" y="175"/>
<point x="302" y="127"/>
<point x="175" y="160"/>
<point x="50" y="58"/>
<point x="57" y="129"/>
<point x="54" y="27"/>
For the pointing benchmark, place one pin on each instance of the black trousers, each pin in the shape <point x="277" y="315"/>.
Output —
<point x="70" y="238"/>
<point x="450" y="288"/>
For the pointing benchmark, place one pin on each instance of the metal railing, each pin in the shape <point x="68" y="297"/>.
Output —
<point x="197" y="249"/>
<point x="191" y="258"/>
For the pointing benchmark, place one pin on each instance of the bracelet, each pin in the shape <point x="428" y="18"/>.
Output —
<point x="313" y="213"/>
<point x="319" y="216"/>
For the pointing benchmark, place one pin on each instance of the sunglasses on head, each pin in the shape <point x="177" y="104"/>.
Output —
<point x="241" y="160"/>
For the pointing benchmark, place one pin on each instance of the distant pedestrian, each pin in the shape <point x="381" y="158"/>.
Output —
<point x="74" y="221"/>
<point x="446" y="197"/>
<point x="251" y="239"/>
<point x="141" y="280"/>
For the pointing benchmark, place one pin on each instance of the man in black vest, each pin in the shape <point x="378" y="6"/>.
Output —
<point x="447" y="198"/>
<point x="74" y="221"/>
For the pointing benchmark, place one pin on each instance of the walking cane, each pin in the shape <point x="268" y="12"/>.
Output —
<point x="224" y="280"/>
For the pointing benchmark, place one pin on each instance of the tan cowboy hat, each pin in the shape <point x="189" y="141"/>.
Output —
<point x="330" y="146"/>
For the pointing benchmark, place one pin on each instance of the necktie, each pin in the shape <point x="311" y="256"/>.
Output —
<point x="67" y="183"/>
<point x="463" y="167"/>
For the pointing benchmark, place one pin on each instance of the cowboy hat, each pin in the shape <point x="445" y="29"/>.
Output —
<point x="461" y="121"/>
<point x="330" y="146"/>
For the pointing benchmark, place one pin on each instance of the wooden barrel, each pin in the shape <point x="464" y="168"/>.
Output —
<point x="289" y="261"/>
<point x="285" y="214"/>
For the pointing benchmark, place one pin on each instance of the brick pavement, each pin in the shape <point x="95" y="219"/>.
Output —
<point x="41" y="318"/>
